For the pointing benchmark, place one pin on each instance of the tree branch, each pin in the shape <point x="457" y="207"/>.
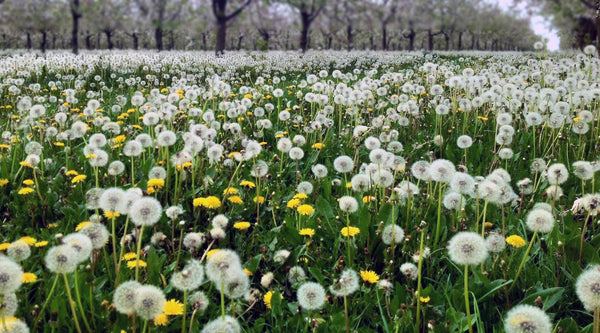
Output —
<point x="238" y="11"/>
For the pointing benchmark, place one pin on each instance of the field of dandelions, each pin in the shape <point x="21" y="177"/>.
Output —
<point x="330" y="192"/>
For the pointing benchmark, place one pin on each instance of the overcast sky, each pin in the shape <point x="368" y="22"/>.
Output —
<point x="539" y="24"/>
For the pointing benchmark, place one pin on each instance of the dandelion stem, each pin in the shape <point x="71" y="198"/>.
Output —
<point x="308" y="322"/>
<point x="184" y="310"/>
<point x="5" y="328"/>
<point x="467" y="298"/>
<point x="419" y="270"/>
<point x="78" y="296"/>
<point x="71" y="303"/>
<point x="524" y="260"/>
<point x="118" y="268"/>
<point x="37" y="319"/>
<point x="439" y="215"/>
<point x="346" y="314"/>
<point x="597" y="320"/>
<point x="145" y="326"/>
<point x="585" y="223"/>
<point x="222" y="299"/>
<point x="179" y="248"/>
<point x="137" y="254"/>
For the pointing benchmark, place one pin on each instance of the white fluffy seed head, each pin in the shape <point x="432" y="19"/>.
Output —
<point x="311" y="296"/>
<point x="221" y="264"/>
<point x="392" y="233"/>
<point x="346" y="284"/>
<point x="540" y="220"/>
<point x="124" y="297"/>
<point x="343" y="164"/>
<point x="587" y="288"/>
<point x="149" y="302"/>
<point x="409" y="270"/>
<point x="348" y="204"/>
<point x="527" y="319"/>
<point x="18" y="250"/>
<point x="97" y="233"/>
<point x="467" y="248"/>
<point x="229" y="325"/>
<point x="11" y="275"/>
<point x="190" y="277"/>
<point x="61" y="259"/>
<point x="82" y="245"/>
<point x="495" y="242"/>
<point x="145" y="211"/>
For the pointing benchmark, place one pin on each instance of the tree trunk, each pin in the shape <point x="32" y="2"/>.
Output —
<point x="204" y="41"/>
<point x="384" y="41"/>
<point x="304" y="32"/>
<point x="239" y="43"/>
<point x="29" y="41"/>
<point x="44" y="42"/>
<point x="221" y="36"/>
<point x="430" y="41"/>
<point x="447" y="41"/>
<point x="372" y="43"/>
<point x="460" y="34"/>
<point x="350" y="35"/>
<point x="75" y="14"/>
<point x="88" y="41"/>
<point x="171" y="40"/>
<point x="158" y="37"/>
<point x="109" y="41"/>
<point x="411" y="40"/>
<point x="136" y="41"/>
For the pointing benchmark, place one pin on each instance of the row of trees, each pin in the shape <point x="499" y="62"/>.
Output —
<point x="578" y="21"/>
<point x="262" y="24"/>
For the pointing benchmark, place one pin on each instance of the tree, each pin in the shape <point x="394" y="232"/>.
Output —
<point x="309" y="10"/>
<point x="219" y="8"/>
<point x="75" y="15"/>
<point x="163" y="14"/>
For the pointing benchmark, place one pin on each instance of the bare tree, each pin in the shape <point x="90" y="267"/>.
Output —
<point x="75" y="15"/>
<point x="163" y="14"/>
<point x="219" y="8"/>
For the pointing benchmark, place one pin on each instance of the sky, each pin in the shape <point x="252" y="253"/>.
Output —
<point x="540" y="25"/>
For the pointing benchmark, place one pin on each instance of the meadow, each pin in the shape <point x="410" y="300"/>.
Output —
<point x="279" y="192"/>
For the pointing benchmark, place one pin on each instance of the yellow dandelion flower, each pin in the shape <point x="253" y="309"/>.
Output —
<point x="350" y="231"/>
<point x="278" y="136"/>
<point x="25" y="164"/>
<point x="25" y="190"/>
<point x="82" y="224"/>
<point x="211" y="253"/>
<point x="307" y="232"/>
<point x="129" y="256"/>
<point x="4" y="246"/>
<point x="110" y="215"/>
<point x="3" y="182"/>
<point x="41" y="244"/>
<point x="305" y="209"/>
<point x="198" y="202"/>
<point x="488" y="225"/>
<point x="369" y="276"/>
<point x="576" y="119"/>
<point x="260" y="199"/>
<point x="156" y="182"/>
<point x="425" y="299"/>
<point x="78" y="179"/>
<point x="248" y="96"/>
<point x="161" y="320"/>
<point x="72" y="173"/>
<point x="300" y="196"/>
<point x="241" y="225"/>
<point x="247" y="183"/>
<point x="368" y="198"/>
<point x="482" y="118"/>
<point x="28" y="239"/>
<point x="230" y="191"/>
<point x="131" y="264"/>
<point x="235" y="199"/>
<point x="28" y="278"/>
<point x="348" y="185"/>
<point x="28" y="182"/>
<point x="268" y="296"/>
<point x="318" y="145"/>
<point x="52" y="225"/>
<point x="211" y="202"/>
<point x="4" y="146"/>
<point x="516" y="241"/>
<point x="247" y="271"/>
<point x="173" y="307"/>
